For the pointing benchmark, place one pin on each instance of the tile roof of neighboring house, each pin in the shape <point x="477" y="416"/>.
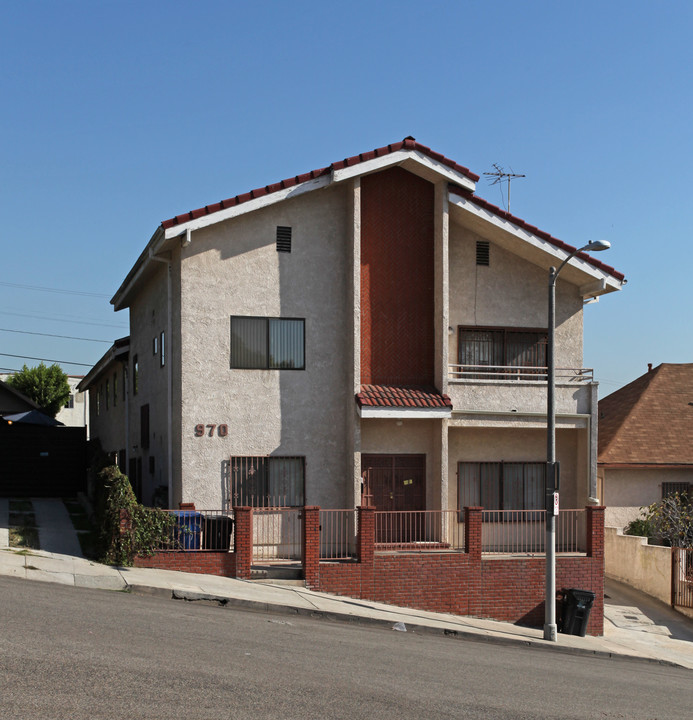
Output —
<point x="409" y="143"/>
<point x="402" y="396"/>
<point x="650" y="420"/>
<point x="480" y="202"/>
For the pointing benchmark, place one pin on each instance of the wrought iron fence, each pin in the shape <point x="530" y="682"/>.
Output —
<point x="338" y="529"/>
<point x="277" y="534"/>
<point x="523" y="532"/>
<point x="419" y="530"/>
<point x="197" y="530"/>
<point x="518" y="373"/>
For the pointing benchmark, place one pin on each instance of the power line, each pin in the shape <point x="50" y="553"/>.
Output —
<point x="54" y="290"/>
<point x="60" y="362"/>
<point x="64" y="337"/>
<point x="57" y="319"/>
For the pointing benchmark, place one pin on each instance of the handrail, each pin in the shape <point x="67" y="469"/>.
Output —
<point x="529" y="373"/>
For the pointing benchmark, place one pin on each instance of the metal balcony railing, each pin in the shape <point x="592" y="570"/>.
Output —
<point x="517" y="373"/>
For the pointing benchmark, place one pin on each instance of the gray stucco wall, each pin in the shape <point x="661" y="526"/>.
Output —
<point x="233" y="268"/>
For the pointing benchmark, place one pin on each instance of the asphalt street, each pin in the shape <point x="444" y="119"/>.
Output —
<point x="76" y="653"/>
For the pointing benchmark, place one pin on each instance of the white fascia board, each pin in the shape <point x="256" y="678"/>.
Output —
<point x="138" y="268"/>
<point x="610" y="283"/>
<point x="397" y="158"/>
<point x="248" y="206"/>
<point x="403" y="413"/>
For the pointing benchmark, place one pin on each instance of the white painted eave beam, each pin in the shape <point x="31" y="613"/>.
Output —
<point x="399" y="157"/>
<point x="610" y="283"/>
<point x="404" y="413"/>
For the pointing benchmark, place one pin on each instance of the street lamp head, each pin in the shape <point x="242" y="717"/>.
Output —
<point x="596" y="246"/>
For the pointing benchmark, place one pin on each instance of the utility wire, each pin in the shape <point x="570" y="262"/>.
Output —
<point x="61" y="362"/>
<point x="54" y="290"/>
<point x="57" y="319"/>
<point x="64" y="337"/>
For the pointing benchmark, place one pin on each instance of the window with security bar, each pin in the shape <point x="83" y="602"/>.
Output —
<point x="498" y="351"/>
<point x="501" y="485"/>
<point x="670" y="489"/>
<point x="264" y="343"/>
<point x="261" y="481"/>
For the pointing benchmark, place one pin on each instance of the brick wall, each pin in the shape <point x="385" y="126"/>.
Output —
<point x="206" y="562"/>
<point x="507" y="589"/>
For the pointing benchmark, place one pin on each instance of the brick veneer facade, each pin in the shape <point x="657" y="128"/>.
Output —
<point x="510" y="589"/>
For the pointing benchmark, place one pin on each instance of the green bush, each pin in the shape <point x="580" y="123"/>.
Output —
<point x="148" y="528"/>
<point x="640" y="527"/>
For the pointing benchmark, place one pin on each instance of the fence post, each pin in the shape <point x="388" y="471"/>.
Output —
<point x="243" y="541"/>
<point x="595" y="531"/>
<point x="365" y="542"/>
<point x="311" y="546"/>
<point x="472" y="531"/>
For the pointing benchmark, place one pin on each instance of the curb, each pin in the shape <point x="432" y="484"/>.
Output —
<point x="330" y="616"/>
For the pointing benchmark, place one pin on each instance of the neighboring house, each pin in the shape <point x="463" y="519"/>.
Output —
<point x="646" y="441"/>
<point x="370" y="332"/>
<point x="76" y="410"/>
<point x="12" y="401"/>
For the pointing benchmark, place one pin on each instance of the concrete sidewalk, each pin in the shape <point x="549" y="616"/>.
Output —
<point x="647" y="630"/>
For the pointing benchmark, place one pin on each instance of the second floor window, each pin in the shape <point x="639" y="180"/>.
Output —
<point x="267" y="343"/>
<point x="502" y="348"/>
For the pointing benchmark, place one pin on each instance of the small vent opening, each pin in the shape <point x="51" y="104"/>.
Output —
<point x="482" y="252"/>
<point x="283" y="238"/>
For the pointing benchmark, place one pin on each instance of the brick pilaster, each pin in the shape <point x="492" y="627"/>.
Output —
<point x="365" y="542"/>
<point x="595" y="531"/>
<point x="243" y="541"/>
<point x="472" y="532"/>
<point x="311" y="546"/>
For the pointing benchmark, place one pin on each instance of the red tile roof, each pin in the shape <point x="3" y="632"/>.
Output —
<point x="480" y="202"/>
<point x="402" y="396"/>
<point x="409" y="143"/>
<point x="650" y="420"/>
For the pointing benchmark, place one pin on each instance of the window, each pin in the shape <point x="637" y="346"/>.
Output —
<point x="108" y="393"/>
<point x="70" y="401"/>
<point x="115" y="389"/>
<point x="500" y="349"/>
<point x="144" y="427"/>
<point x="162" y="356"/>
<point x="669" y="489"/>
<point x="125" y="381"/>
<point x="267" y="481"/>
<point x="267" y="343"/>
<point x="283" y="239"/>
<point x="155" y="345"/>
<point x="501" y="485"/>
<point x="135" y="375"/>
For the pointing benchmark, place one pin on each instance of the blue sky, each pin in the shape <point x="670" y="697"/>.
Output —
<point x="117" y="115"/>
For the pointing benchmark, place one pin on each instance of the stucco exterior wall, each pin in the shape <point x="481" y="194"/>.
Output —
<point x="234" y="269"/>
<point x="107" y="423"/>
<point x="517" y="445"/>
<point x="626" y="491"/>
<point x="148" y="319"/>
<point x="510" y="292"/>
<point x="629" y="559"/>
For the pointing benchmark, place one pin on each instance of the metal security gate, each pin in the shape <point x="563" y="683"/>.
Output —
<point x="682" y="577"/>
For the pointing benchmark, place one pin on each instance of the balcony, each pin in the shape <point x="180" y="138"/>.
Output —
<point x="515" y="388"/>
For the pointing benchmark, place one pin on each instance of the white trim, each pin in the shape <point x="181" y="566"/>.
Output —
<point x="397" y="158"/>
<point x="600" y="276"/>
<point x="397" y="412"/>
<point x="247" y="206"/>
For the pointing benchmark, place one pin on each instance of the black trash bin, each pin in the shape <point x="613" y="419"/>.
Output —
<point x="218" y="531"/>
<point x="577" y="605"/>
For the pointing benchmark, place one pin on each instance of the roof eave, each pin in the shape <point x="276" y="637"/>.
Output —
<point x="120" y="299"/>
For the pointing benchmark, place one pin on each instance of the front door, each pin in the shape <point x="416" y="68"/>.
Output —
<point x="394" y="483"/>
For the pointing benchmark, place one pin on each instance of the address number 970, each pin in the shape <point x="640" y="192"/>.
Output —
<point x="210" y="430"/>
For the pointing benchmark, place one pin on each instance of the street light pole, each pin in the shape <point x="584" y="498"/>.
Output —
<point x="550" y="629"/>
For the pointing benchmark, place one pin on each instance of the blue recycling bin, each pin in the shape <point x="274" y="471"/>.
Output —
<point x="190" y="524"/>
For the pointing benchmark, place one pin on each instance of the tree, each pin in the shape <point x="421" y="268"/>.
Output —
<point x="46" y="386"/>
<point x="670" y="521"/>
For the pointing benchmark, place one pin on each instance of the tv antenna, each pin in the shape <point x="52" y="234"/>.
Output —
<point x="499" y="175"/>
